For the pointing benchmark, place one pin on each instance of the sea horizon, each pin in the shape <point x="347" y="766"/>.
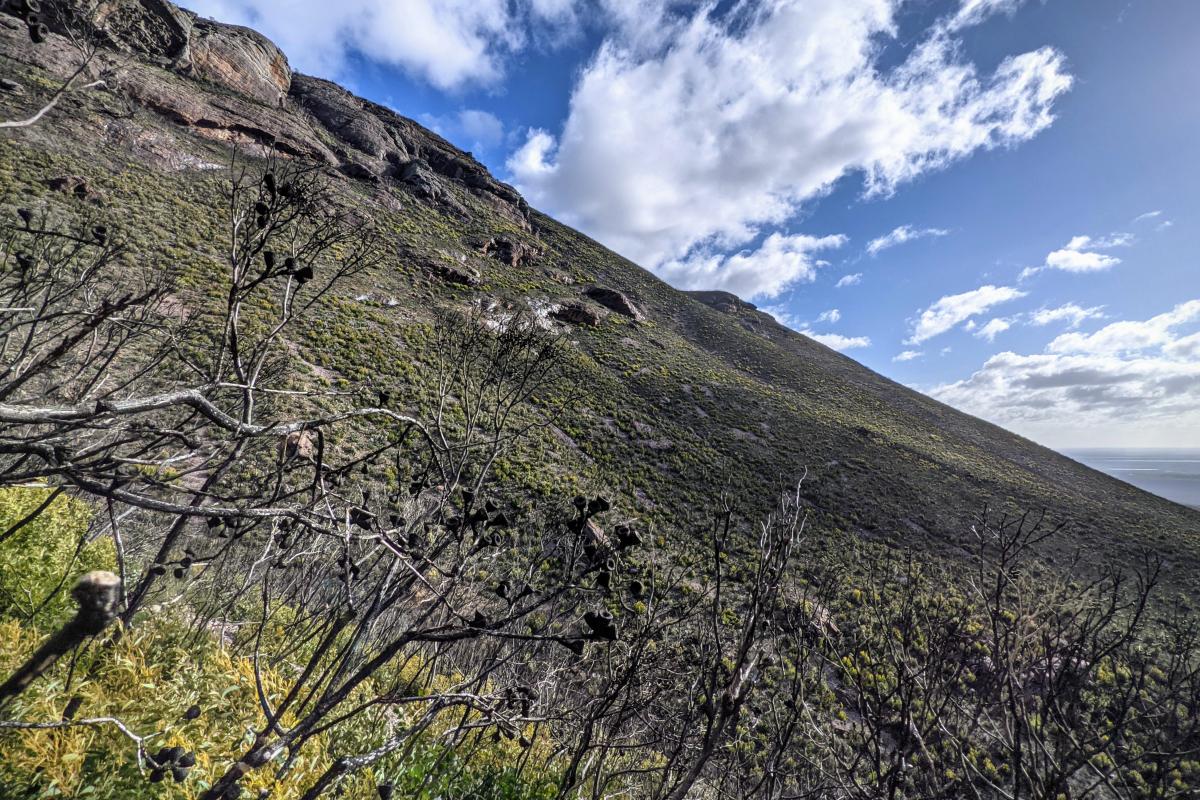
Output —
<point x="1169" y="472"/>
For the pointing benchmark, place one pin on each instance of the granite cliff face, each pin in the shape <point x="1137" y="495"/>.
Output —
<point x="232" y="84"/>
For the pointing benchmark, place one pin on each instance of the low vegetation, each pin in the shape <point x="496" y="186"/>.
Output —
<point x="266" y="533"/>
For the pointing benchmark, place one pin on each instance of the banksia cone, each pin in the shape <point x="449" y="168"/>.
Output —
<point x="39" y="33"/>
<point x="269" y="259"/>
<point x="269" y="183"/>
<point x="304" y="274"/>
<point x="26" y="216"/>
<point x="261" y="208"/>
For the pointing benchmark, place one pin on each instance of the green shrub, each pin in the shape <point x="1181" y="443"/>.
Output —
<point x="40" y="560"/>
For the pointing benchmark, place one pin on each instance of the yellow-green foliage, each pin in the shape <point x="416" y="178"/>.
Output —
<point x="41" y="555"/>
<point x="159" y="669"/>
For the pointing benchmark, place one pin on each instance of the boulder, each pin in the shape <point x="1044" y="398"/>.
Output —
<point x="577" y="314"/>
<point x="503" y="249"/>
<point x="239" y="59"/>
<point x="615" y="301"/>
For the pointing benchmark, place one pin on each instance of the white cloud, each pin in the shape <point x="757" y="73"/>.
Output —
<point x="702" y="130"/>
<point x="908" y="355"/>
<point x="1129" y="336"/>
<point x="1147" y="216"/>
<point x="470" y="128"/>
<point x="1072" y="313"/>
<point x="901" y="235"/>
<point x="994" y="328"/>
<point x="778" y="262"/>
<point x="849" y="280"/>
<point x="1134" y="382"/>
<point x="782" y="315"/>
<point x="838" y="342"/>
<point x="832" y="315"/>
<point x="1080" y="255"/>
<point x="953" y="309"/>
<point x="449" y="43"/>
<point x="973" y="12"/>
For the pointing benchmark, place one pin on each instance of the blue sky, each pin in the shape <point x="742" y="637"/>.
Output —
<point x="992" y="201"/>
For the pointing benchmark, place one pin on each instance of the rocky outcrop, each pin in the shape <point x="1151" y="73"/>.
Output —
<point x="239" y="59"/>
<point x="615" y="301"/>
<point x="506" y="251"/>
<point x="232" y="84"/>
<point x="577" y="314"/>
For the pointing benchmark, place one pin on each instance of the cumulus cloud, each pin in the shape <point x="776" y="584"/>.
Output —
<point x="703" y="131"/>
<point x="994" y="328"/>
<point x="1128" y="336"/>
<point x="776" y="264"/>
<point x="837" y="341"/>
<point x="901" y="235"/>
<point x="832" y="315"/>
<point x="1071" y="313"/>
<point x="449" y="43"/>
<point x="848" y="280"/>
<point x="1081" y="254"/>
<point x="907" y="355"/>
<point x="1133" y="380"/>
<point x="957" y="308"/>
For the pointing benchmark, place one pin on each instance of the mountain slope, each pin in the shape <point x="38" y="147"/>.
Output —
<point x="699" y="394"/>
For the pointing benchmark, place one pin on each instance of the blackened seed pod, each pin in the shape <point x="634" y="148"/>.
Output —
<point x="157" y="775"/>
<point x="385" y="791"/>
<point x="261" y="208"/>
<point x="261" y="221"/>
<point x="637" y="589"/>
<point x="269" y="258"/>
<point x="192" y="713"/>
<point x="269" y="183"/>
<point x="158" y="570"/>
<point x="100" y="234"/>
<point x="25" y="261"/>
<point x="39" y="33"/>
<point x="187" y="760"/>
<point x="26" y="216"/>
<point x="179" y="773"/>
<point x="32" y="18"/>
<point x="604" y="580"/>
<point x="214" y="522"/>
<point x="32" y="6"/>
<point x="186" y="562"/>
<point x="180" y="572"/>
<point x="304" y="274"/>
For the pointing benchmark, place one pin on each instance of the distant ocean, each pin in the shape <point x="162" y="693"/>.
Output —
<point x="1173" y="474"/>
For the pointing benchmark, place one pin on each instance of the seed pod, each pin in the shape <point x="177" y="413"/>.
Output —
<point x="214" y="522"/>
<point x="261" y="221"/>
<point x="598" y="506"/>
<point x="157" y="775"/>
<point x="269" y="258"/>
<point x="502" y="589"/>
<point x="100" y="233"/>
<point x="385" y="790"/>
<point x="261" y="208"/>
<point x="269" y="183"/>
<point x="158" y="570"/>
<point x="32" y="18"/>
<point x="179" y="773"/>
<point x="192" y="713"/>
<point x="180" y="572"/>
<point x="39" y="33"/>
<point x="26" y="216"/>
<point x="25" y="261"/>
<point x="580" y="502"/>
<point x="32" y="6"/>
<point x="604" y="580"/>
<point x="304" y="274"/>
<point x="637" y="589"/>
<point x="186" y="562"/>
